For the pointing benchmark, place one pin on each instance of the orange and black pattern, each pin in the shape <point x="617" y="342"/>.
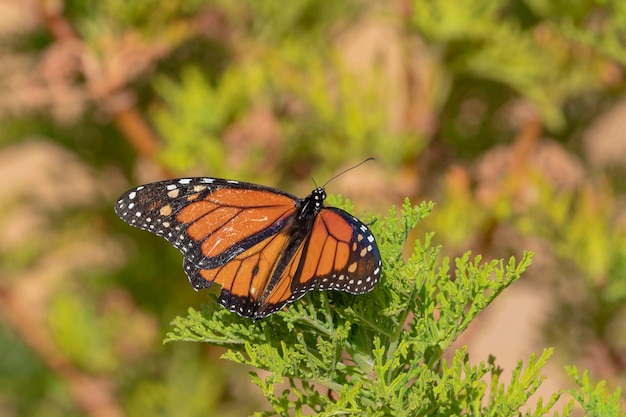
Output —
<point x="264" y="247"/>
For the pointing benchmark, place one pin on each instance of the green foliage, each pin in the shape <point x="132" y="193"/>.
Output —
<point x="318" y="105"/>
<point x="581" y="226"/>
<point x="313" y="19"/>
<point x="499" y="54"/>
<point x="195" y="118"/>
<point x="168" y="393"/>
<point x="583" y="230"/>
<point x="113" y="17"/>
<point x="72" y="322"/>
<point x="337" y="113"/>
<point x="595" y="400"/>
<point x="381" y="353"/>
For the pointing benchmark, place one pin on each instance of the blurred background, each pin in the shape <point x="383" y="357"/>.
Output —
<point x="509" y="114"/>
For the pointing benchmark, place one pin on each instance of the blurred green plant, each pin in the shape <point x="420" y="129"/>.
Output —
<point x="583" y="229"/>
<point x="319" y="108"/>
<point x="595" y="400"/>
<point x="504" y="61"/>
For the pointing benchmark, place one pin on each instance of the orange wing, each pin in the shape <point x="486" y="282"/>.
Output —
<point x="209" y="220"/>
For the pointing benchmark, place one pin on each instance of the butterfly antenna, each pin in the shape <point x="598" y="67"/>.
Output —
<point x="346" y="170"/>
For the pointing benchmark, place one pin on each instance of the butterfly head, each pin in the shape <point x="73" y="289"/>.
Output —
<point x="313" y="204"/>
<point x="318" y="196"/>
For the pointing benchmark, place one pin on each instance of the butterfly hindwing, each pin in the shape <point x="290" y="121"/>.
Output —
<point x="340" y="254"/>
<point x="245" y="278"/>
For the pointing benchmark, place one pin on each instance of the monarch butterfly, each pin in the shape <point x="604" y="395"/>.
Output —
<point x="265" y="247"/>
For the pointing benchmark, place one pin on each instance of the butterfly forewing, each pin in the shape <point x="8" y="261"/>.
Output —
<point x="209" y="220"/>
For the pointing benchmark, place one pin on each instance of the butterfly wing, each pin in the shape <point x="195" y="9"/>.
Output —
<point x="340" y="254"/>
<point x="244" y="278"/>
<point x="211" y="221"/>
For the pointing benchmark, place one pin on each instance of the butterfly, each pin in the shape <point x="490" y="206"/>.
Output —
<point x="264" y="247"/>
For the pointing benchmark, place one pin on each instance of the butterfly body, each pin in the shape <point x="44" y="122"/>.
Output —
<point x="265" y="247"/>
